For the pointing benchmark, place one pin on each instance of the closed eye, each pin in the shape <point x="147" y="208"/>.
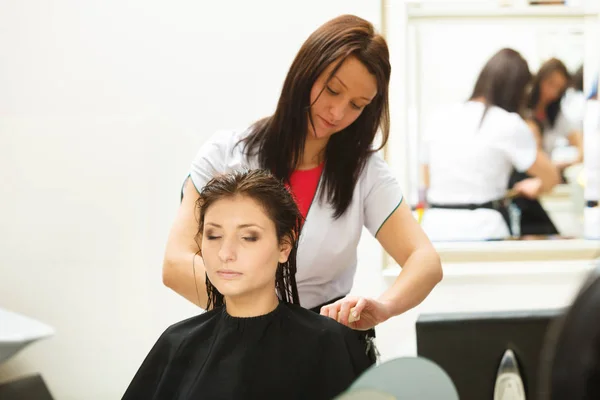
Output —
<point x="212" y="237"/>
<point x="250" y="238"/>
<point x="330" y="90"/>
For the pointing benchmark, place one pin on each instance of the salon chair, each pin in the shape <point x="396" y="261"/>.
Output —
<point x="402" y="378"/>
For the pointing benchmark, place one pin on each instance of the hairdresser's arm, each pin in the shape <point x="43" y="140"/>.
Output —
<point x="546" y="173"/>
<point x="536" y="133"/>
<point x="178" y="273"/>
<point x="402" y="237"/>
<point x="575" y="139"/>
<point x="425" y="175"/>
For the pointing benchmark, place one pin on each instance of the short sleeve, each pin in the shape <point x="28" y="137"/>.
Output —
<point x="573" y="106"/>
<point x="211" y="159"/>
<point x="565" y="125"/>
<point x="382" y="193"/>
<point x="520" y="146"/>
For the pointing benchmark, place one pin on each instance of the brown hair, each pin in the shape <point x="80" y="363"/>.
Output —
<point x="547" y="68"/>
<point x="277" y="203"/>
<point x="577" y="79"/>
<point x="503" y="81"/>
<point x="279" y="140"/>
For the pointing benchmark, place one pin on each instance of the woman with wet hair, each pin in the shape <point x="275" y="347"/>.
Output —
<point x="551" y="122"/>
<point x="546" y="104"/>
<point x="470" y="149"/>
<point x="321" y="141"/>
<point x="256" y="342"/>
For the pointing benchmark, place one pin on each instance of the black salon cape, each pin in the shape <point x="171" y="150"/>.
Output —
<point x="290" y="353"/>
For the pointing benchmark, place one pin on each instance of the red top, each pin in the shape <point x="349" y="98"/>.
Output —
<point x="304" y="185"/>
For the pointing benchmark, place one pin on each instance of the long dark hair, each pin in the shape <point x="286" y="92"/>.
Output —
<point x="571" y="363"/>
<point x="547" y="68"/>
<point x="503" y="81"/>
<point x="277" y="202"/>
<point x="577" y="79"/>
<point x="279" y="140"/>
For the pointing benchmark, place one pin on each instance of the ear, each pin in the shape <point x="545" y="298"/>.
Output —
<point x="284" y="250"/>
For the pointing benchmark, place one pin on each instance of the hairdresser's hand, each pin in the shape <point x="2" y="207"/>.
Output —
<point x="562" y="165"/>
<point x="369" y="312"/>
<point x="530" y="188"/>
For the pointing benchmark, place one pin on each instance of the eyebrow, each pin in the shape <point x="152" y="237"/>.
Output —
<point x="241" y="226"/>
<point x="344" y="85"/>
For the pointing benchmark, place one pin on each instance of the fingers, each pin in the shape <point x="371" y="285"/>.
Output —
<point x="359" y="307"/>
<point x="330" y="310"/>
<point x="345" y="310"/>
<point x="333" y="311"/>
<point x="344" y="313"/>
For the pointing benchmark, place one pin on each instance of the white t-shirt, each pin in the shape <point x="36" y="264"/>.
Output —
<point x="472" y="164"/>
<point x="564" y="125"/>
<point x="327" y="252"/>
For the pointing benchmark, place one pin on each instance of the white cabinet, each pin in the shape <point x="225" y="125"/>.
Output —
<point x="494" y="276"/>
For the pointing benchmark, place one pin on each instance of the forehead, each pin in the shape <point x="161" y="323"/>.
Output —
<point x="557" y="77"/>
<point x="236" y="209"/>
<point x="355" y="75"/>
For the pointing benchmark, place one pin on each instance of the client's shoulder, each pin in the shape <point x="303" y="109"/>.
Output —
<point x="205" y="320"/>
<point x="310" y="322"/>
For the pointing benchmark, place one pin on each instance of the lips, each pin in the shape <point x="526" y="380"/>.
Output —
<point x="228" y="274"/>
<point x="327" y="123"/>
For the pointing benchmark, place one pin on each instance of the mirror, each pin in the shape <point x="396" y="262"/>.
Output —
<point x="447" y="45"/>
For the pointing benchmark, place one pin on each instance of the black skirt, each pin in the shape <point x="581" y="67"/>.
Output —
<point x="534" y="219"/>
<point x="367" y="338"/>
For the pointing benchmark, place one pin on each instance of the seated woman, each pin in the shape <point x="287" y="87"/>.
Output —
<point x="551" y="120"/>
<point x="255" y="341"/>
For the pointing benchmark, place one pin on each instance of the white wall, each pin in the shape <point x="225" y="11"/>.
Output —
<point x="102" y="107"/>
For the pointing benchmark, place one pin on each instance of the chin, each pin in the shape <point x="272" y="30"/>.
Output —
<point x="323" y="134"/>
<point x="228" y="291"/>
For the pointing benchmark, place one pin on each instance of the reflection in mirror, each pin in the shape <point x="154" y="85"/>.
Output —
<point x="495" y="136"/>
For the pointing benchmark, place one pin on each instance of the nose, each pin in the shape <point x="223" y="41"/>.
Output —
<point x="336" y="109"/>
<point x="227" y="252"/>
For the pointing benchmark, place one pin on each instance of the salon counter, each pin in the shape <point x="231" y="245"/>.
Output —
<point x="494" y="276"/>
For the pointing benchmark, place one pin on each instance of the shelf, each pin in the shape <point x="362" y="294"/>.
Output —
<point x="517" y="251"/>
<point x="546" y="269"/>
<point x="417" y="11"/>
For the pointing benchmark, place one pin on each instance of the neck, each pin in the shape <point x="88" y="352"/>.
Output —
<point x="251" y="304"/>
<point x="540" y="110"/>
<point x="314" y="152"/>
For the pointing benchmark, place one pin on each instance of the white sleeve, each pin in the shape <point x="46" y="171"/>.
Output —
<point x="382" y="193"/>
<point x="564" y="125"/>
<point x="211" y="159"/>
<point x="520" y="146"/>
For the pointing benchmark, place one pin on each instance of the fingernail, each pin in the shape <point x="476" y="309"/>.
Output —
<point x="354" y="314"/>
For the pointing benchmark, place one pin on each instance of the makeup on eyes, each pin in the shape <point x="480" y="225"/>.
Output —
<point x="246" y="234"/>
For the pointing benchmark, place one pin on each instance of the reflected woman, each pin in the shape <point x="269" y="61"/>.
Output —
<point x="470" y="149"/>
